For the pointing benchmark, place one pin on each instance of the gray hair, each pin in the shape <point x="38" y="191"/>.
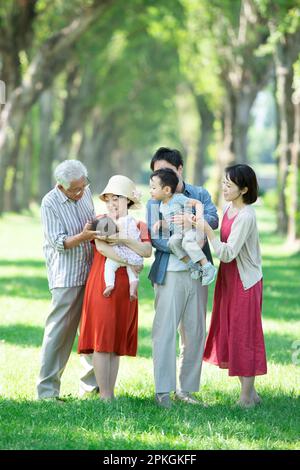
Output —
<point x="68" y="171"/>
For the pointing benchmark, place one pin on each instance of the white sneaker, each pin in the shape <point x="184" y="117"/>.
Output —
<point x="196" y="273"/>
<point x="163" y="400"/>
<point x="209" y="273"/>
<point x="186" y="397"/>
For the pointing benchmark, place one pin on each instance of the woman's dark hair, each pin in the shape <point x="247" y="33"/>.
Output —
<point x="244" y="177"/>
<point x="171" y="156"/>
<point x="167" y="177"/>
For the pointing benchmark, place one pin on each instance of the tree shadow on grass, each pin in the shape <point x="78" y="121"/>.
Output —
<point x="26" y="335"/>
<point x="279" y="347"/>
<point x="281" y="288"/>
<point x="24" y="285"/>
<point x="22" y="335"/>
<point x="133" y="422"/>
<point x="22" y="263"/>
<point x="28" y="287"/>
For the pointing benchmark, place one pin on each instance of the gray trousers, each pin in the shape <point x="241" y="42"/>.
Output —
<point x="59" y="335"/>
<point x="182" y="244"/>
<point x="180" y="304"/>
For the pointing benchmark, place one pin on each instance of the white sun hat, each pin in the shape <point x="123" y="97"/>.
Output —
<point x="122" y="186"/>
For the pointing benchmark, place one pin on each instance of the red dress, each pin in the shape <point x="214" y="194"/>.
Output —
<point x="109" y="324"/>
<point x="235" y="340"/>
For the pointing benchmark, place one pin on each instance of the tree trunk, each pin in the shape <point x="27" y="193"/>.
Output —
<point x="72" y="114"/>
<point x="46" y="143"/>
<point x="294" y="213"/>
<point x="243" y="103"/>
<point x="242" y="73"/>
<point x="225" y="154"/>
<point x="77" y="108"/>
<point x="48" y="62"/>
<point x="97" y="149"/>
<point x="284" y="58"/>
<point x="106" y="144"/>
<point x="284" y="82"/>
<point x="24" y="187"/>
<point x="11" y="75"/>
<point x="10" y="202"/>
<point x="207" y="120"/>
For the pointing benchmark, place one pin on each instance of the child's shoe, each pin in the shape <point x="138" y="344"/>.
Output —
<point x="195" y="270"/>
<point x="196" y="273"/>
<point x="208" y="273"/>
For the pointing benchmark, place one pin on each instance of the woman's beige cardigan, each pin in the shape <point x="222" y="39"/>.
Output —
<point x="242" y="245"/>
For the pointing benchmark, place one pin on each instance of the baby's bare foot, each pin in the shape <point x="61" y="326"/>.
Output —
<point x="133" y="290"/>
<point x="132" y="297"/>
<point x="108" y="291"/>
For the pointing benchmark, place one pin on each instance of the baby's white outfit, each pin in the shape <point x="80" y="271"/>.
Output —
<point x="127" y="225"/>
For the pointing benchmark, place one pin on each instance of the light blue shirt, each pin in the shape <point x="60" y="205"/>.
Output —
<point x="176" y="205"/>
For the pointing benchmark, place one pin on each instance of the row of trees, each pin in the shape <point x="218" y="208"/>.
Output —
<point x="107" y="81"/>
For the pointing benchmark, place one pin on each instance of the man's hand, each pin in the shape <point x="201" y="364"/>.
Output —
<point x="87" y="234"/>
<point x="196" y="204"/>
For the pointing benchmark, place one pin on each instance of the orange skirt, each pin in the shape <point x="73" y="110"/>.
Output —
<point x="108" y="324"/>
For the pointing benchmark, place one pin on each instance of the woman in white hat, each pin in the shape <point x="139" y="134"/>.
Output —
<point x="109" y="317"/>
<point x="128" y="198"/>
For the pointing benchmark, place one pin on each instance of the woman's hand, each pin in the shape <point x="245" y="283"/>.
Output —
<point x="137" y="268"/>
<point x="143" y="249"/>
<point x="201" y="224"/>
<point x="107" y="251"/>
<point x="102" y="238"/>
<point x="117" y="239"/>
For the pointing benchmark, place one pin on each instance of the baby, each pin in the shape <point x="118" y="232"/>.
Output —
<point x="182" y="242"/>
<point x="106" y="226"/>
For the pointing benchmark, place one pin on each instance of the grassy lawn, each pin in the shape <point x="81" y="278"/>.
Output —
<point x="133" y="421"/>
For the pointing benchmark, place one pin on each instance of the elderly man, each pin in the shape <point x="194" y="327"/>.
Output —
<point x="180" y="301"/>
<point x="66" y="212"/>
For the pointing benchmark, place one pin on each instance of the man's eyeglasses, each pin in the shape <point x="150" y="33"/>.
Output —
<point x="76" y="192"/>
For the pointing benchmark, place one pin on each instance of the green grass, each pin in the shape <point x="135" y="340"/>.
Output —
<point x="133" y="421"/>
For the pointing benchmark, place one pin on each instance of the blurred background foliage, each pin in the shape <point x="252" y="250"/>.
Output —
<point x="108" y="81"/>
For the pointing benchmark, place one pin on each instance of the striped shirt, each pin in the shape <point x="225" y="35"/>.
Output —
<point x="63" y="218"/>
